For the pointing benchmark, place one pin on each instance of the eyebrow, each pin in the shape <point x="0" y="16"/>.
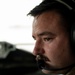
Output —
<point x="45" y="33"/>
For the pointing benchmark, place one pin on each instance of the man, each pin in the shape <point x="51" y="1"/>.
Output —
<point x="53" y="27"/>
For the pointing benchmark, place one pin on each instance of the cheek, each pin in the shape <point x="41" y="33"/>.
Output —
<point x="57" y="52"/>
<point x="54" y="50"/>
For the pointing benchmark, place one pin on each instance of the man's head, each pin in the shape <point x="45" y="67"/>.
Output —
<point x="52" y="32"/>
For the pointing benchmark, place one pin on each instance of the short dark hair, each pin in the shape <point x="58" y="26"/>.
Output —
<point x="49" y="5"/>
<point x="68" y="15"/>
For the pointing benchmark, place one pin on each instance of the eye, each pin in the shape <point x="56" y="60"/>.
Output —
<point x="47" y="39"/>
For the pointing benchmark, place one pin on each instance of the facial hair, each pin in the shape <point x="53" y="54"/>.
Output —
<point x="43" y="65"/>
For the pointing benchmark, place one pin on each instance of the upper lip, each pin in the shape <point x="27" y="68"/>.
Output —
<point x="40" y="57"/>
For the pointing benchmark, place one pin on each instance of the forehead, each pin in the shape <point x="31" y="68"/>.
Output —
<point x="47" y="21"/>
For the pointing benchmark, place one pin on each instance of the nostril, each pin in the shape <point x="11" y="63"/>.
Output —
<point x="42" y="51"/>
<point x="35" y="51"/>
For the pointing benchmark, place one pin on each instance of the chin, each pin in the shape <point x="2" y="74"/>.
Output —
<point x="46" y="71"/>
<point x="50" y="72"/>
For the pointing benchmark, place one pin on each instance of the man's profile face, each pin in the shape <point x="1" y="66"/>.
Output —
<point x="52" y="40"/>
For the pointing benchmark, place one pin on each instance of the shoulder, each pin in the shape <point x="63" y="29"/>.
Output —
<point x="72" y="72"/>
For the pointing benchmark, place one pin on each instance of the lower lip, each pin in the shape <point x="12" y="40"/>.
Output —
<point x="41" y="64"/>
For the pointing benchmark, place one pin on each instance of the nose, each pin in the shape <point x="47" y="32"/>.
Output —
<point x="38" y="48"/>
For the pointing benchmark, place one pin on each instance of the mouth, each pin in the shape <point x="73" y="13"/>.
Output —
<point x="42" y="64"/>
<point x="41" y="61"/>
<point x="40" y="57"/>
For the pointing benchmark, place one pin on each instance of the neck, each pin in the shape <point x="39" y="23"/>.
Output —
<point x="61" y="72"/>
<point x="65" y="71"/>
